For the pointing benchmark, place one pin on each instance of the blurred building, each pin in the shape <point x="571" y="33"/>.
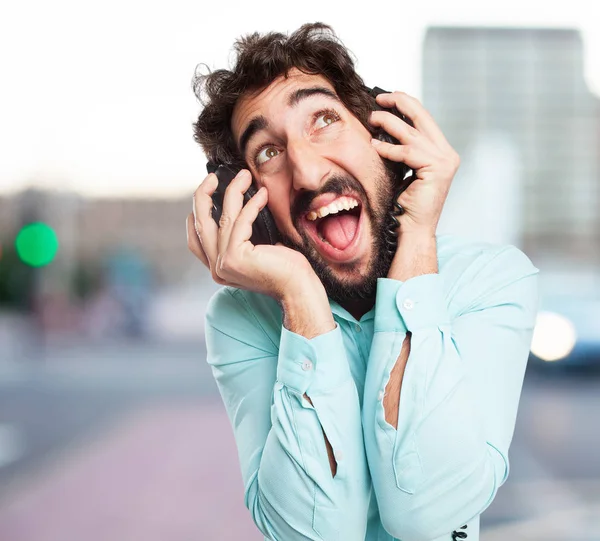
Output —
<point x="8" y="216"/>
<point x="153" y="228"/>
<point x="513" y="102"/>
<point x="94" y="230"/>
<point x="126" y="258"/>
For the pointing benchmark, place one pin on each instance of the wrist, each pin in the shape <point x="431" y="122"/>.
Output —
<point x="307" y="311"/>
<point x="417" y="235"/>
<point x="416" y="254"/>
<point x="421" y="240"/>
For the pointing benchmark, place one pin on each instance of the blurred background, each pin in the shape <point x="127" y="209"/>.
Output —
<point x="111" y="426"/>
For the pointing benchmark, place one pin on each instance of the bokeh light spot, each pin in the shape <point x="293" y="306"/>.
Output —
<point x="36" y="244"/>
<point x="554" y="336"/>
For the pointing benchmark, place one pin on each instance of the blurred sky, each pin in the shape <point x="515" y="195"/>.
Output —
<point x="96" y="97"/>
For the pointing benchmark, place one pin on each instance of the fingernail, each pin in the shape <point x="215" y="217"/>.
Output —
<point x="243" y="172"/>
<point x="375" y="142"/>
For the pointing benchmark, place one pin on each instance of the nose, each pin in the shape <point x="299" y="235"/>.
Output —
<point x="308" y="167"/>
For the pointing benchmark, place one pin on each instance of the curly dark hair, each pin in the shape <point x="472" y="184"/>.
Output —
<point x="313" y="49"/>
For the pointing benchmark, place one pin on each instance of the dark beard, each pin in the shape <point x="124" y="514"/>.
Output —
<point x="343" y="291"/>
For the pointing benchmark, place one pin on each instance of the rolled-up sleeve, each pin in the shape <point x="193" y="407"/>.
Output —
<point x="289" y="487"/>
<point x="443" y="464"/>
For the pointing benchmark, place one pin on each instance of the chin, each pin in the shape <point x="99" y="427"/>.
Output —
<point x="352" y="281"/>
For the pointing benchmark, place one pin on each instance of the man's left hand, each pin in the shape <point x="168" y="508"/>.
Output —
<point x="425" y="150"/>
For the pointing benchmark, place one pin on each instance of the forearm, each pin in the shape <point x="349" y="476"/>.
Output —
<point x="470" y="333"/>
<point x="294" y="490"/>
<point x="314" y="373"/>
<point x="289" y="487"/>
<point x="310" y="317"/>
<point x="330" y="456"/>
<point x="416" y="255"/>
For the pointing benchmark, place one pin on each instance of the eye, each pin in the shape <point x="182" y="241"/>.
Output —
<point x="321" y="119"/>
<point x="325" y="118"/>
<point x="264" y="154"/>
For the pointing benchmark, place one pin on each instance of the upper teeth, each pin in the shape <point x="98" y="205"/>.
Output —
<point x="342" y="203"/>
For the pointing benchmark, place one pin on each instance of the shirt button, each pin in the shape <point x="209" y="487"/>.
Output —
<point x="307" y="365"/>
<point x="357" y="328"/>
<point x="408" y="304"/>
<point x="279" y="385"/>
<point x="380" y="395"/>
<point x="338" y="455"/>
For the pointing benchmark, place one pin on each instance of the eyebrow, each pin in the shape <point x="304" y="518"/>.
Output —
<point x="260" y="123"/>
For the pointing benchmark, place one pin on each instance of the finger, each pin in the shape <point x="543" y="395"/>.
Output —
<point x="243" y="226"/>
<point x="411" y="155"/>
<point x="421" y="118"/>
<point x="204" y="224"/>
<point x="196" y="248"/>
<point x="395" y="126"/>
<point x="193" y="241"/>
<point x="232" y="206"/>
<point x="209" y="184"/>
<point x="203" y="195"/>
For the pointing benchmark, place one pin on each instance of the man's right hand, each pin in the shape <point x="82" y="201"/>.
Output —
<point x="226" y="250"/>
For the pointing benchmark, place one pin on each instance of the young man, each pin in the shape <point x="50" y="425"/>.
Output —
<point x="372" y="395"/>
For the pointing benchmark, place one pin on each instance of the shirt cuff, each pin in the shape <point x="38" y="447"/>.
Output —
<point x="317" y="365"/>
<point x="407" y="306"/>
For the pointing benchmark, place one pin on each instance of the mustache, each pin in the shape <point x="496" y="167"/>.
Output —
<point x="336" y="184"/>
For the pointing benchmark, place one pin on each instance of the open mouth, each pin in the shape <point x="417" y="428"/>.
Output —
<point x="335" y="227"/>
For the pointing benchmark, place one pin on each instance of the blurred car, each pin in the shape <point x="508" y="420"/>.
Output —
<point x="567" y="331"/>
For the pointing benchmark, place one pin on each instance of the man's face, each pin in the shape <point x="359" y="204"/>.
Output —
<point x="329" y="191"/>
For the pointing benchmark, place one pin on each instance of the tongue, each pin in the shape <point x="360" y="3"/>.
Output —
<point x="339" y="230"/>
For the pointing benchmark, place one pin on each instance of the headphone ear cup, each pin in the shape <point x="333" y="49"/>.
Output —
<point x="264" y="230"/>
<point x="402" y="174"/>
<point x="399" y="169"/>
<point x="225" y="175"/>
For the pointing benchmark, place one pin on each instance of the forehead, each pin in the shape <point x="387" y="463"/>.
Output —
<point x="273" y="99"/>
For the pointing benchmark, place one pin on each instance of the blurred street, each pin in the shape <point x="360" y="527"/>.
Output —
<point x="128" y="442"/>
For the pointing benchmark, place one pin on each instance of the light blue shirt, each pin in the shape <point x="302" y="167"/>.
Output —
<point x="471" y="325"/>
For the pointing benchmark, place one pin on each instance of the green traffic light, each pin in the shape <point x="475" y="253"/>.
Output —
<point x="36" y="244"/>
